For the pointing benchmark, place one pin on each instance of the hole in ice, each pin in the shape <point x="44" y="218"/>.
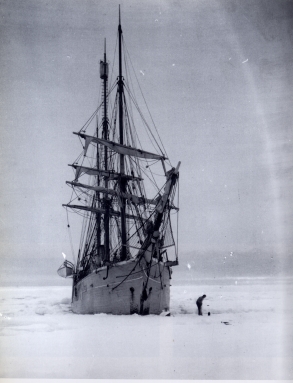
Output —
<point x="226" y="323"/>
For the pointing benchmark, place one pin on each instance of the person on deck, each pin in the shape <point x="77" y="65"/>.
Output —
<point x="199" y="304"/>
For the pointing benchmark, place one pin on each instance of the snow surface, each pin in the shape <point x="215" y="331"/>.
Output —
<point x="247" y="336"/>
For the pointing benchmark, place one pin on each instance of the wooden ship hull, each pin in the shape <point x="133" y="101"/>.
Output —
<point x="124" y="289"/>
<point x="125" y="195"/>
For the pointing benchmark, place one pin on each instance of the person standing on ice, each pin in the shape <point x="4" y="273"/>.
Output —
<point x="199" y="304"/>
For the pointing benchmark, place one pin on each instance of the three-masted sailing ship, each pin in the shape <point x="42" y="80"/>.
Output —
<point x="123" y="265"/>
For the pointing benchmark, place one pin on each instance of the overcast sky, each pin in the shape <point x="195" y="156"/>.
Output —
<point x="218" y="78"/>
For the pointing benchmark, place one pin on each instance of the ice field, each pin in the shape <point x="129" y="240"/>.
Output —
<point x="247" y="336"/>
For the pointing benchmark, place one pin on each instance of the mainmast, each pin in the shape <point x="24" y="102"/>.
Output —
<point x="122" y="170"/>
<point x="106" y="200"/>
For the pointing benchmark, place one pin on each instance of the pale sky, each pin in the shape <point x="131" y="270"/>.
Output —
<point x="218" y="78"/>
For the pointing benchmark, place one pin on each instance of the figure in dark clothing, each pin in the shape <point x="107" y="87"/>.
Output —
<point x="199" y="304"/>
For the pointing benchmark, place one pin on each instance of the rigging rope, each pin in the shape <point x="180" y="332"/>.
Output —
<point x="177" y="242"/>
<point x="126" y="50"/>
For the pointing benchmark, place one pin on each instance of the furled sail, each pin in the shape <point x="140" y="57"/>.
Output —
<point x="114" y="213"/>
<point x="121" y="149"/>
<point x="111" y="175"/>
<point x="130" y="197"/>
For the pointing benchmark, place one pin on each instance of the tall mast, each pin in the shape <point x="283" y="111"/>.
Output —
<point x="98" y="215"/>
<point x="106" y="201"/>
<point x="105" y="121"/>
<point x="122" y="170"/>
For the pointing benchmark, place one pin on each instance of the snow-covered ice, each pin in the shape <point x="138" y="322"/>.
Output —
<point x="247" y="336"/>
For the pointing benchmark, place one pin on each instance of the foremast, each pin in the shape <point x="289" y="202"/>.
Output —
<point x="122" y="180"/>
<point x="105" y="134"/>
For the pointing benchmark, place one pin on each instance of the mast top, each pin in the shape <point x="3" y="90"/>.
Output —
<point x="119" y="16"/>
